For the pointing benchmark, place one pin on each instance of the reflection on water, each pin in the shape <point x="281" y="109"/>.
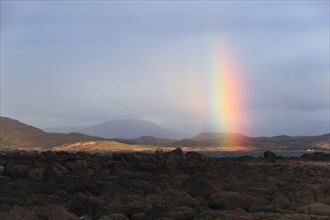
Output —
<point x="219" y="154"/>
<point x="289" y="153"/>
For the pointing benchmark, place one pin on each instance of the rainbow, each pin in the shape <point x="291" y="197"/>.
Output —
<point x="223" y="89"/>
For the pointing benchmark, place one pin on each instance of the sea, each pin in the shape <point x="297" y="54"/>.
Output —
<point x="233" y="154"/>
<point x="282" y="153"/>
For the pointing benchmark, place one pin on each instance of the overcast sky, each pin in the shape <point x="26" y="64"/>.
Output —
<point x="72" y="63"/>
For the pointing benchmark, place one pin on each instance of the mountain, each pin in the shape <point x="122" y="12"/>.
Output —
<point x="17" y="134"/>
<point x="121" y="128"/>
<point x="283" y="142"/>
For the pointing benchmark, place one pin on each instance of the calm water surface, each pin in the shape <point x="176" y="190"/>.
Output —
<point x="289" y="153"/>
<point x="219" y="154"/>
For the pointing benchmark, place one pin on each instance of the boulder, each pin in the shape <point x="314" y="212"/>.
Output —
<point x="55" y="172"/>
<point x="315" y="209"/>
<point x="175" y="155"/>
<point x="10" y="200"/>
<point x="281" y="202"/>
<point x="89" y="206"/>
<point x="21" y="213"/>
<point x="76" y="165"/>
<point x="269" y="154"/>
<point x="175" y="198"/>
<point x="238" y="214"/>
<point x="231" y="200"/>
<point x="295" y="216"/>
<point x="177" y="215"/>
<point x="275" y="182"/>
<point x="61" y="193"/>
<point x="16" y="171"/>
<point x="53" y="212"/>
<point x="42" y="199"/>
<point x="201" y="186"/>
<point x="127" y="205"/>
<point x="104" y="217"/>
<point x="85" y="217"/>
<point x="140" y="216"/>
<point x="118" y="216"/>
<point x="188" y="212"/>
<point x="37" y="174"/>
<point x="316" y="156"/>
<point x="210" y="215"/>
<point x="196" y="156"/>
<point x="157" y="201"/>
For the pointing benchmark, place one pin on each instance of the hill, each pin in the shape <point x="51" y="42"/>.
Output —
<point x="15" y="134"/>
<point x="240" y="141"/>
<point x="121" y="128"/>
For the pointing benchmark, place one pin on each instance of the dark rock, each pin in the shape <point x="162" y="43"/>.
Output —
<point x="269" y="154"/>
<point x="36" y="174"/>
<point x="16" y="171"/>
<point x="231" y="200"/>
<point x="54" y="212"/>
<point x="74" y="205"/>
<point x="315" y="209"/>
<point x="197" y="156"/>
<point x="167" y="185"/>
<point x="177" y="215"/>
<point x="85" y="217"/>
<point x="262" y="208"/>
<point x="140" y="216"/>
<point x="321" y="156"/>
<point x="9" y="200"/>
<point x="40" y="199"/>
<point x="18" y="212"/>
<point x="104" y="217"/>
<point x="122" y="204"/>
<point x="175" y="155"/>
<point x="201" y="186"/>
<point x="210" y="215"/>
<point x="76" y="165"/>
<point x="188" y="212"/>
<point x="118" y="216"/>
<point x="175" y="198"/>
<point x="61" y="193"/>
<point x="89" y="206"/>
<point x="55" y="172"/>
<point x="4" y="180"/>
<point x="281" y="202"/>
<point x="238" y="214"/>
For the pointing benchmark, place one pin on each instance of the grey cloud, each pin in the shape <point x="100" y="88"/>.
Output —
<point x="69" y="63"/>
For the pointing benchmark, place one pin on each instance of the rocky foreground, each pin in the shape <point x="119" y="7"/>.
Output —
<point x="173" y="185"/>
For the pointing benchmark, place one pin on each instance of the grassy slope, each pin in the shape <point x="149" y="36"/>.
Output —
<point x="14" y="134"/>
<point x="104" y="146"/>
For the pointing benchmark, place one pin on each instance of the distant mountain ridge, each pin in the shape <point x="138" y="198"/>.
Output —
<point x="15" y="134"/>
<point x="283" y="142"/>
<point x="120" y="128"/>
